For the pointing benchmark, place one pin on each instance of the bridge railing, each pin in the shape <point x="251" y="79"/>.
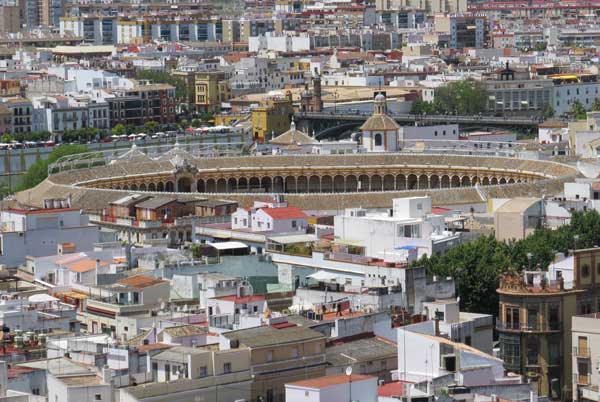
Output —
<point x="449" y="118"/>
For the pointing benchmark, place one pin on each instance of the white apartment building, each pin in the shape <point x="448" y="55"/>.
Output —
<point x="469" y="328"/>
<point x="410" y="224"/>
<point x="342" y="387"/>
<point x="425" y="356"/>
<point x="585" y="333"/>
<point x="39" y="312"/>
<point x="571" y="88"/>
<point x="38" y="232"/>
<point x="80" y="388"/>
<point x="206" y="285"/>
<point x="279" y="43"/>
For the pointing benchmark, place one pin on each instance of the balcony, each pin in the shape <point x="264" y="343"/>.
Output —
<point x="581" y="353"/>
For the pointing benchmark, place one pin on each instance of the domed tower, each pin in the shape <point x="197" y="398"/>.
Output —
<point x="380" y="104"/>
<point x="380" y="132"/>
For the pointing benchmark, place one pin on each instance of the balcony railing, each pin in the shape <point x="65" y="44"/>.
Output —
<point x="582" y="353"/>
<point x="546" y="327"/>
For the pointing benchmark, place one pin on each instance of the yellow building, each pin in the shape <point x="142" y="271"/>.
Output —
<point x="211" y="89"/>
<point x="534" y="326"/>
<point x="189" y="77"/>
<point x="271" y="118"/>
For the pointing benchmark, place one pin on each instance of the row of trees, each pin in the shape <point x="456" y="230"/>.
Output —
<point x="466" y="97"/>
<point x="476" y="266"/>
<point x="20" y="137"/>
<point x="151" y="127"/>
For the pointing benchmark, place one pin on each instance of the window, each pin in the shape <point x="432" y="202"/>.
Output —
<point x="98" y="397"/>
<point x="532" y="350"/>
<point x="226" y="368"/>
<point x="511" y="319"/>
<point x="554" y="317"/>
<point x="378" y="140"/>
<point x="468" y="340"/>
<point x="532" y="318"/>
<point x="585" y="270"/>
<point x="270" y="356"/>
<point x="294" y="224"/>
<point x="203" y="371"/>
<point x="411" y="231"/>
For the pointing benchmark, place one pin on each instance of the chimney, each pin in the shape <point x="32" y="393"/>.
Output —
<point x="437" y="326"/>
<point x="106" y="375"/>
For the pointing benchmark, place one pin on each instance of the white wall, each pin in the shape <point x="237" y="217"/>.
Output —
<point x="363" y="391"/>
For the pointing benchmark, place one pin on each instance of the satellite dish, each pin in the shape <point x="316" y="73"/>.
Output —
<point x="349" y="370"/>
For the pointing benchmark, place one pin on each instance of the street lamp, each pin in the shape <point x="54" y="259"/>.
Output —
<point x="349" y="374"/>
<point x="529" y="255"/>
<point x="335" y="95"/>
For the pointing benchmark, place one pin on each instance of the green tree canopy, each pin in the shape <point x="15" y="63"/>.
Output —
<point x="162" y="77"/>
<point x="467" y="97"/>
<point x="547" y="111"/>
<point x="476" y="266"/>
<point x="151" y="127"/>
<point x="38" y="171"/>
<point x="578" y="111"/>
<point x="119" y="129"/>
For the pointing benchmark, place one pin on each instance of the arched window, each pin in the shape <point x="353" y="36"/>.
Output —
<point x="378" y="140"/>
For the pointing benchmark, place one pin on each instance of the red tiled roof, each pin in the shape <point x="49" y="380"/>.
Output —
<point x="140" y="281"/>
<point x="282" y="325"/>
<point x="238" y="300"/>
<point x="153" y="346"/>
<point x="439" y="210"/>
<point x="285" y="213"/>
<point x="329" y="381"/>
<point x="85" y="265"/>
<point x="391" y="389"/>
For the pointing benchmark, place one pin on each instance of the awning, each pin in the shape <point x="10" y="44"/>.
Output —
<point x="293" y="239"/>
<point x="228" y="245"/>
<point x="42" y="298"/>
<point x="322" y="276"/>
